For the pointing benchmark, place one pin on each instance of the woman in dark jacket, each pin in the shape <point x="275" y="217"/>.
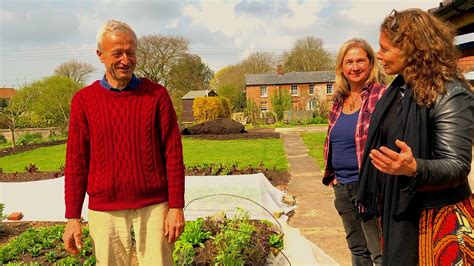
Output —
<point x="418" y="152"/>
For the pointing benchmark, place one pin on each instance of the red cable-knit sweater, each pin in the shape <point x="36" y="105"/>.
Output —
<point x="124" y="149"/>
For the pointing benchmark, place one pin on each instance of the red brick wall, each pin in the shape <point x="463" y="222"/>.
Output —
<point x="466" y="63"/>
<point x="299" y="101"/>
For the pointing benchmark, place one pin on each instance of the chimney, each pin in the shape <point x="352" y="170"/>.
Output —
<point x="280" y="71"/>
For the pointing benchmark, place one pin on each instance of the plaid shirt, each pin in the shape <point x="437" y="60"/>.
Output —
<point x="370" y="95"/>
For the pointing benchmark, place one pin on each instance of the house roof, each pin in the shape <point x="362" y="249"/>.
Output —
<point x="290" y="78"/>
<point x="458" y="12"/>
<point x="7" y="93"/>
<point x="194" y="94"/>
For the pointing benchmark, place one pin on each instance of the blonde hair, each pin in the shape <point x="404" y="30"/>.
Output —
<point x="113" y="26"/>
<point x="430" y="53"/>
<point x="342" y="87"/>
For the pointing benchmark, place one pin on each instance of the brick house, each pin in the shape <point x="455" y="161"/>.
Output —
<point x="307" y="89"/>
<point x="6" y="94"/>
<point x="187" y="103"/>
<point x="460" y="13"/>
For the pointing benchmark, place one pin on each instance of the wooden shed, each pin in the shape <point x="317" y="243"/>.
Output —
<point x="187" y="102"/>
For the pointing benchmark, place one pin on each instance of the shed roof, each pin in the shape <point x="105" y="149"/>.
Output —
<point x="290" y="78"/>
<point x="7" y="93"/>
<point x="194" y="94"/>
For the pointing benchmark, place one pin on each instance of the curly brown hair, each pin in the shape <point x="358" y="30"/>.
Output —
<point x="431" y="55"/>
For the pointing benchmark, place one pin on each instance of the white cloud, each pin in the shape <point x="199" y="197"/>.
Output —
<point x="222" y="32"/>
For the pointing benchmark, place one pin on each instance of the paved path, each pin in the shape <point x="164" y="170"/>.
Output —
<point x="315" y="215"/>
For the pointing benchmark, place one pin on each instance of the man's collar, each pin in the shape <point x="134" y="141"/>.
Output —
<point x="132" y="85"/>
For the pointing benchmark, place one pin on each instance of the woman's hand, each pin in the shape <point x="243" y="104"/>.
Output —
<point x="391" y="162"/>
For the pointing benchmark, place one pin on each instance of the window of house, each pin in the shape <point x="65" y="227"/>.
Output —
<point x="263" y="106"/>
<point x="312" y="104"/>
<point x="311" y="89"/>
<point x="329" y="88"/>
<point x="294" y="105"/>
<point x="263" y="91"/>
<point x="294" y="90"/>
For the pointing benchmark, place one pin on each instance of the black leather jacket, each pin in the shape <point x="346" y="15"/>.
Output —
<point x="443" y="179"/>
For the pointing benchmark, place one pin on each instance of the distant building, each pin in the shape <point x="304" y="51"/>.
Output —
<point x="307" y="89"/>
<point x="6" y="94"/>
<point x="460" y="13"/>
<point x="187" y="101"/>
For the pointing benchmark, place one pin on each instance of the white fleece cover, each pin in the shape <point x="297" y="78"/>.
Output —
<point x="44" y="201"/>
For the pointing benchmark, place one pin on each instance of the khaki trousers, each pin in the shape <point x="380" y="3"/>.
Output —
<point x="111" y="234"/>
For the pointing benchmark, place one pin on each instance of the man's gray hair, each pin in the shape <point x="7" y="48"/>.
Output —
<point x="113" y="26"/>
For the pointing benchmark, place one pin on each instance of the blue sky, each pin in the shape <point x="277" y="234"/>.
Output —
<point x="37" y="36"/>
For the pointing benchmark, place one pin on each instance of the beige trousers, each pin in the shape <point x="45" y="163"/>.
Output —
<point x="111" y="234"/>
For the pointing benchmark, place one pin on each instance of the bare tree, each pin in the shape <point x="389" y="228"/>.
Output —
<point x="190" y="73"/>
<point x="18" y="105"/>
<point x="308" y="54"/>
<point x="157" y="54"/>
<point x="259" y="63"/>
<point x="230" y="81"/>
<point x="75" y="70"/>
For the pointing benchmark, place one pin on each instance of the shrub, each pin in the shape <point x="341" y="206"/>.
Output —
<point x="30" y="138"/>
<point x="2" y="206"/>
<point x="3" y="140"/>
<point x="208" y="108"/>
<point x="281" y="102"/>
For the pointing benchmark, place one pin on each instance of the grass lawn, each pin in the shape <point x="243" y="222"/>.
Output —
<point x="46" y="159"/>
<point x="5" y="145"/>
<point x="314" y="141"/>
<point x="241" y="152"/>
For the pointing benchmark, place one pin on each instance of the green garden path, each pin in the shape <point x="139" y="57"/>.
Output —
<point x="315" y="215"/>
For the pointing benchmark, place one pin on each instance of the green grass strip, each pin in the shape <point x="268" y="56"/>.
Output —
<point x="314" y="141"/>
<point x="196" y="152"/>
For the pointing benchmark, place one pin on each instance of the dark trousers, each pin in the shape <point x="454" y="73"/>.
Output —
<point x="363" y="238"/>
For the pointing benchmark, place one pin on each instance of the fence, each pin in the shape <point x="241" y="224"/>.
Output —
<point x="297" y="115"/>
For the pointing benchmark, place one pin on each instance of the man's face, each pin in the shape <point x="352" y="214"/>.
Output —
<point x="118" y="54"/>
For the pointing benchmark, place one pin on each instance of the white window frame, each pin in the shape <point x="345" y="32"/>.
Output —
<point x="329" y="88"/>
<point x="296" y="88"/>
<point x="311" y="86"/>
<point x="263" y="91"/>
<point x="263" y="108"/>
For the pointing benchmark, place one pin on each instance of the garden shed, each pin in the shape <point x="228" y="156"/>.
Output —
<point x="187" y="103"/>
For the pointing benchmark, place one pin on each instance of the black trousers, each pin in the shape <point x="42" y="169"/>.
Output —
<point x="363" y="238"/>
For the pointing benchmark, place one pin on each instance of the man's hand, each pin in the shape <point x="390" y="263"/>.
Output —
<point x="393" y="163"/>
<point x="72" y="236"/>
<point x="174" y="224"/>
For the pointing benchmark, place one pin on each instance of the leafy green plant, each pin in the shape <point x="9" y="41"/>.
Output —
<point x="3" y="139"/>
<point x="51" y="256"/>
<point x="30" y="138"/>
<point x="276" y="241"/>
<point x="2" y="227"/>
<point x="193" y="236"/>
<point x="45" y="243"/>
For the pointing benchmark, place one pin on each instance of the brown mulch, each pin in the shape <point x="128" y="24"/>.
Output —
<point x="247" y="135"/>
<point x="19" y="148"/>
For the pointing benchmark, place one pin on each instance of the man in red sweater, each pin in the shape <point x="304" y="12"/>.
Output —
<point x="124" y="149"/>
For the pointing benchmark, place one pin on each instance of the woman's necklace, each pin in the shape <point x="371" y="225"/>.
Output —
<point x="353" y="103"/>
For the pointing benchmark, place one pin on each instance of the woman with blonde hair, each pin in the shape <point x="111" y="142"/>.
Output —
<point x="418" y="152"/>
<point x="358" y="87"/>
